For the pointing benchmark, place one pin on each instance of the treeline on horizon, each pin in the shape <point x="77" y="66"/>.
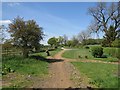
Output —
<point x="26" y="35"/>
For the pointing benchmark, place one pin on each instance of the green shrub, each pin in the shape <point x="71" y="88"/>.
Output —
<point x="116" y="43"/>
<point x="97" y="51"/>
<point x="86" y="47"/>
<point x="114" y="52"/>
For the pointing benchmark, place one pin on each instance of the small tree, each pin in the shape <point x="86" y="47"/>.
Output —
<point x="97" y="51"/>
<point x="69" y="43"/>
<point x="26" y="34"/>
<point x="52" y="41"/>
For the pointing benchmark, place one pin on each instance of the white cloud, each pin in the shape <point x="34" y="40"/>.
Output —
<point x="4" y="22"/>
<point x="13" y="4"/>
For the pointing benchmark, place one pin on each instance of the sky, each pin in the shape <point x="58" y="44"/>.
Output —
<point x="56" y="18"/>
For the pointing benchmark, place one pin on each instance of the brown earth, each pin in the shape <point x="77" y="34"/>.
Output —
<point x="65" y="75"/>
<point x="62" y="75"/>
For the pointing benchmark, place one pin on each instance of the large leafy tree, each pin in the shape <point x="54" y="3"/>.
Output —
<point x="26" y="34"/>
<point x="106" y="16"/>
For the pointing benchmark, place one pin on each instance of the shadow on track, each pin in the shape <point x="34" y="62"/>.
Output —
<point x="45" y="59"/>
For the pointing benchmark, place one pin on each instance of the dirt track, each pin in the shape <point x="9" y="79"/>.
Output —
<point x="60" y="73"/>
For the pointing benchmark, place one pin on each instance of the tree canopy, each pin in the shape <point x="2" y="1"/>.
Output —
<point x="25" y="34"/>
<point x="52" y="41"/>
<point x="106" y="18"/>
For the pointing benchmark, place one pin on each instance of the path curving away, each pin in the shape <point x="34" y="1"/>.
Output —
<point x="60" y="73"/>
<point x="60" y="77"/>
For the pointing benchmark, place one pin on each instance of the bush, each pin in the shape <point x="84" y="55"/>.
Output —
<point x="116" y="43"/>
<point x="114" y="52"/>
<point x="86" y="47"/>
<point x="97" y="51"/>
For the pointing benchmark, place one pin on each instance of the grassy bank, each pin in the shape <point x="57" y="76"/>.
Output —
<point x="73" y="54"/>
<point x="23" y="72"/>
<point x="18" y="71"/>
<point x="113" y="52"/>
<point x="52" y="53"/>
<point x="82" y="54"/>
<point x="25" y="65"/>
<point x="101" y="75"/>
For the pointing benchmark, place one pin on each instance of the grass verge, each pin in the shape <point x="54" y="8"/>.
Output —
<point x="101" y="75"/>
<point x="23" y="68"/>
<point x="82" y="54"/>
<point x="52" y="53"/>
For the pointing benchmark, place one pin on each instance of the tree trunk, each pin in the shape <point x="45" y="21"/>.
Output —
<point x="25" y="53"/>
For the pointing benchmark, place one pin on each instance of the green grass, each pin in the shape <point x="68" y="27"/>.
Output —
<point x="23" y="67"/>
<point x="93" y="45"/>
<point x="28" y="65"/>
<point x="101" y="75"/>
<point x="52" y="53"/>
<point x="71" y="47"/>
<point x="111" y="51"/>
<point x="74" y="54"/>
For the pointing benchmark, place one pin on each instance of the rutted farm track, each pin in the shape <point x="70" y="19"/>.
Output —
<point x="60" y="75"/>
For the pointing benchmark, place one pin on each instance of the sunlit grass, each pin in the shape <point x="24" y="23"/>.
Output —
<point x="101" y="75"/>
<point x="82" y="53"/>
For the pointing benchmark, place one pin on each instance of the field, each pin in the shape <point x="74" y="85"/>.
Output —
<point x="23" y="68"/>
<point x="29" y="72"/>
<point x="83" y="53"/>
<point x="114" y="52"/>
<point x="52" y="53"/>
<point x="101" y="75"/>
<point x="23" y="72"/>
